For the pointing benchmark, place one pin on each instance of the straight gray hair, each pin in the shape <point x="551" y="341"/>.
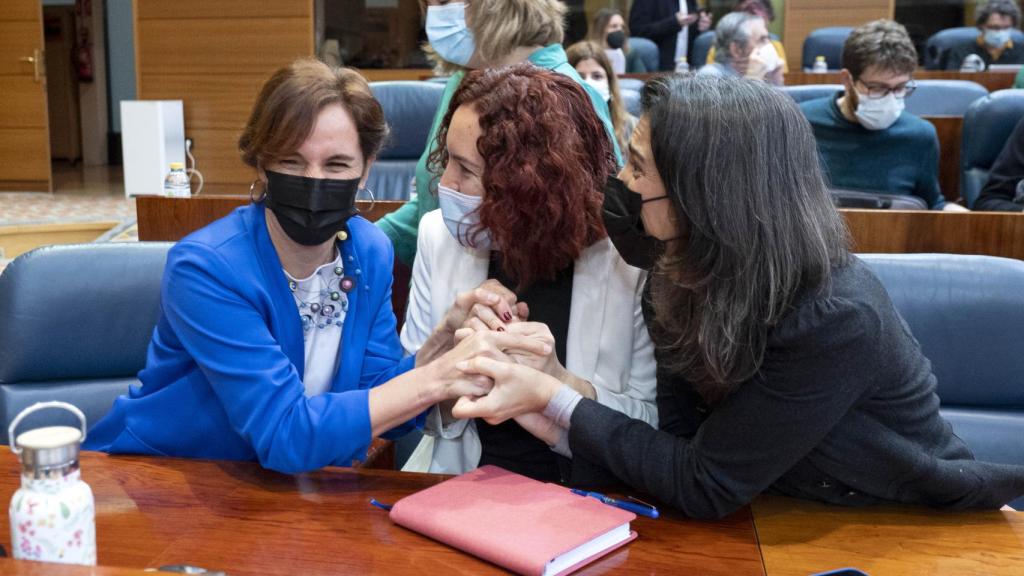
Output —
<point x="733" y="27"/>
<point x="757" y="225"/>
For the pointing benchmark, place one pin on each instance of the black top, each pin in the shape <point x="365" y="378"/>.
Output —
<point x="1004" y="190"/>
<point x="508" y="445"/>
<point x="843" y="411"/>
<point x="656" y="21"/>
<point x="954" y="57"/>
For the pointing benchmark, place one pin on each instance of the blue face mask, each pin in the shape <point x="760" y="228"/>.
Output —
<point x="448" y="34"/>
<point x="461" y="215"/>
<point x="997" y="38"/>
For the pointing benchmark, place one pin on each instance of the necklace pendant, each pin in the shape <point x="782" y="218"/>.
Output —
<point x="347" y="284"/>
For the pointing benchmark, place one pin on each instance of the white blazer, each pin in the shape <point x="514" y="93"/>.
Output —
<point x="607" y="342"/>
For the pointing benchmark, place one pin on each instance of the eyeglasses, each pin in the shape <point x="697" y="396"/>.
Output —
<point x="900" y="92"/>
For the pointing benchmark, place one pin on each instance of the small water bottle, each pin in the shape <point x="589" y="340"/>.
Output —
<point x="820" y="65"/>
<point x="176" y="185"/>
<point x="53" y="517"/>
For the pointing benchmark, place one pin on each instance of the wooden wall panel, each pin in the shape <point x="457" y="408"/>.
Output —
<point x="216" y="152"/>
<point x="212" y="46"/>
<point x="804" y="16"/>
<point x="224" y="9"/>
<point x="214" y="56"/>
<point x="213" y="102"/>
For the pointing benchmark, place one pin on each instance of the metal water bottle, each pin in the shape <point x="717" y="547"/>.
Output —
<point x="53" y="517"/>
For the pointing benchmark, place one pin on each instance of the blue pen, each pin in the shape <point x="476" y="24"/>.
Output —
<point x="641" y="509"/>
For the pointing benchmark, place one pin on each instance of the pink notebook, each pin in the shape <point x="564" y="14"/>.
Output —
<point x="520" y="524"/>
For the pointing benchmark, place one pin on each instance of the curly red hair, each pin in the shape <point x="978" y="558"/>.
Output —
<point x="546" y="157"/>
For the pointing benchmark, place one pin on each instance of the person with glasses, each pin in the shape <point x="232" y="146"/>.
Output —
<point x="865" y="138"/>
<point x="995" y="20"/>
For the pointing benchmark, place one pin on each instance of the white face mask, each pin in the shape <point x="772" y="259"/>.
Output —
<point x="448" y="34"/>
<point x="997" y="38"/>
<point x="461" y="215"/>
<point x="767" y="54"/>
<point x="880" y="113"/>
<point x="602" y="88"/>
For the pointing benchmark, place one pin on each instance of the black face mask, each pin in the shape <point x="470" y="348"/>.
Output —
<point x="621" y="213"/>
<point x="616" y="39"/>
<point x="311" y="210"/>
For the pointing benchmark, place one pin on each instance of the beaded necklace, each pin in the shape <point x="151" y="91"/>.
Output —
<point x="329" y="305"/>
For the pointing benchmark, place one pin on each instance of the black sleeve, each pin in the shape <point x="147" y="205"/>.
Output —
<point x="644" y="22"/>
<point x="1007" y="172"/>
<point x="813" y="373"/>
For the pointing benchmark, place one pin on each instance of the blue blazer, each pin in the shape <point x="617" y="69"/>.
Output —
<point x="223" y="376"/>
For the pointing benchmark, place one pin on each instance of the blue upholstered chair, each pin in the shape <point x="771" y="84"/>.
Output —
<point x="701" y="47"/>
<point x="643" y="56"/>
<point x="631" y="100"/>
<point x="940" y="42"/>
<point x="827" y="42"/>
<point x="967" y="312"/>
<point x="803" y="93"/>
<point x="75" y="322"/>
<point x="409" y="108"/>
<point x="631" y="84"/>
<point x="944" y="97"/>
<point x="987" y="125"/>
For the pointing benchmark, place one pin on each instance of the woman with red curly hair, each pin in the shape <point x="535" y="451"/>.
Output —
<point x="523" y="160"/>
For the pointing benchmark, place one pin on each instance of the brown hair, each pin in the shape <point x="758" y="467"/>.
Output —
<point x="581" y="51"/>
<point x="600" y="23"/>
<point x="882" y="43"/>
<point x="1002" y="7"/>
<point x="290" y="101"/>
<point x="546" y="158"/>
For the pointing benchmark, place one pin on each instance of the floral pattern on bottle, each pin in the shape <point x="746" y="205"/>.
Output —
<point x="53" y="520"/>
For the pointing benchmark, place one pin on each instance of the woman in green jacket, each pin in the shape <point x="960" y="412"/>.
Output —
<point x="482" y="35"/>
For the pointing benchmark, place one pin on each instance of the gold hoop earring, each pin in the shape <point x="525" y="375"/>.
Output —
<point x="252" y="188"/>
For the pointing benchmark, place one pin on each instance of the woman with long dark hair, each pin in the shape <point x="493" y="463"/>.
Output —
<point x="783" y="364"/>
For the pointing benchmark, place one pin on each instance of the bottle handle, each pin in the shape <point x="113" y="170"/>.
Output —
<point x="41" y="406"/>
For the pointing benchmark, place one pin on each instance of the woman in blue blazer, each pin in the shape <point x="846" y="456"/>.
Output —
<point x="276" y="340"/>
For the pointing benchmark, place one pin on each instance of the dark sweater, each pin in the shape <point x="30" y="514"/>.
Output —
<point x="1000" y="193"/>
<point x="843" y="411"/>
<point x="903" y="159"/>
<point x="953" y="58"/>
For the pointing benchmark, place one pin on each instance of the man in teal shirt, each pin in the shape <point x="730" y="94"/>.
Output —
<point x="402" y="225"/>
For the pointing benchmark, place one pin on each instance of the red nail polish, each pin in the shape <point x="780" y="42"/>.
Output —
<point x="507" y="317"/>
<point x="501" y="329"/>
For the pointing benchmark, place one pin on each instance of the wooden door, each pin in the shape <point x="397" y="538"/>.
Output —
<point x="24" y="121"/>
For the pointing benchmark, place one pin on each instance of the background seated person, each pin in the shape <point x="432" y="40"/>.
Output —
<point x="276" y="341"/>
<point x="865" y="139"/>
<point x="744" y="50"/>
<point x="524" y="165"/>
<point x="671" y="24"/>
<point x="783" y="365"/>
<point x="593" y="66"/>
<point x="764" y="10"/>
<point x="995" y="19"/>
<point x="474" y="36"/>
<point x="1004" y="191"/>
<point x="608" y="30"/>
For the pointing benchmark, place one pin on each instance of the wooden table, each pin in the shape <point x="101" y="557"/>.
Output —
<point x="801" y="538"/>
<point x="240" y="518"/>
